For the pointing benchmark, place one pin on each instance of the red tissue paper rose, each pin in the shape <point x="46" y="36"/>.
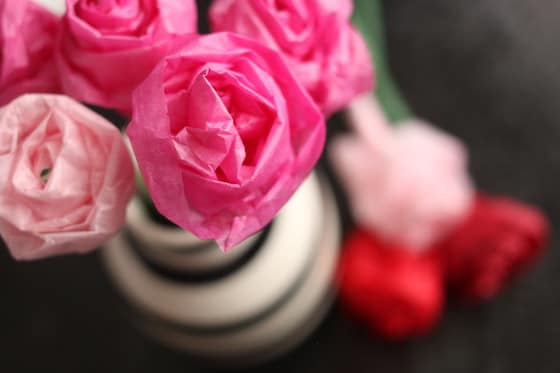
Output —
<point x="224" y="134"/>
<point x="27" y="36"/>
<point x="398" y="291"/>
<point x="500" y="238"/>
<point x="327" y="54"/>
<point x="108" y="47"/>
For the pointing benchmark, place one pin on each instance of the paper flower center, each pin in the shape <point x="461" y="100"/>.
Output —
<point x="222" y="121"/>
<point x="292" y="14"/>
<point x="42" y="158"/>
<point x="117" y="17"/>
<point x="45" y="173"/>
<point x="250" y="113"/>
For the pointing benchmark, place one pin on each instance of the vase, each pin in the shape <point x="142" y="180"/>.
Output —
<point x="235" y="309"/>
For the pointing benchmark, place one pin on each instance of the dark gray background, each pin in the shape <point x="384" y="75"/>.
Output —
<point x="485" y="70"/>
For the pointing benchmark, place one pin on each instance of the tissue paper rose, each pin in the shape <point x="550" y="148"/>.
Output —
<point x="322" y="47"/>
<point x="107" y="47"/>
<point x="224" y="134"/>
<point x="27" y="36"/>
<point x="409" y="184"/>
<point x="399" y="293"/>
<point x="500" y="238"/>
<point x="65" y="177"/>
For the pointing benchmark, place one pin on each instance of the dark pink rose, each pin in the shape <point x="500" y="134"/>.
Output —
<point x="327" y="54"/>
<point x="108" y="47"/>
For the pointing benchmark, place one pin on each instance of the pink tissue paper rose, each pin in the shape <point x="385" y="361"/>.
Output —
<point x="327" y="54"/>
<point x="27" y="37"/>
<point x="224" y="134"/>
<point x="65" y="177"/>
<point x="108" y="47"/>
<point x="408" y="184"/>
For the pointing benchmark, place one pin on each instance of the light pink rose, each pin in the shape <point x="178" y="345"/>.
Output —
<point x="108" y="47"/>
<point x="65" y="177"/>
<point x="409" y="183"/>
<point x="27" y="36"/>
<point x="327" y="54"/>
<point x="224" y="134"/>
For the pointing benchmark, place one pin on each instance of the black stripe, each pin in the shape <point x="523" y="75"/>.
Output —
<point x="213" y="274"/>
<point x="197" y="248"/>
<point x="148" y="317"/>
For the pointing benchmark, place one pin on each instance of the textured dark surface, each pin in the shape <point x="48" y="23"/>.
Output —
<point x="487" y="71"/>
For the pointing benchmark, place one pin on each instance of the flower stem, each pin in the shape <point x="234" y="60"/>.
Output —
<point x="368" y="19"/>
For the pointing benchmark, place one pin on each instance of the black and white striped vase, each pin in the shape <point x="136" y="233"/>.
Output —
<point x="252" y="304"/>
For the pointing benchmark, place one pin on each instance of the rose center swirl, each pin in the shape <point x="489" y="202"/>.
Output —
<point x="222" y="122"/>
<point x="117" y="17"/>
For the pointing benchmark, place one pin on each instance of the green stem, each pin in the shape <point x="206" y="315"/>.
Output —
<point x="368" y="19"/>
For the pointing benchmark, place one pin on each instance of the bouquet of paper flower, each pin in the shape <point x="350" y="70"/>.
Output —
<point x="224" y="129"/>
<point x="224" y="126"/>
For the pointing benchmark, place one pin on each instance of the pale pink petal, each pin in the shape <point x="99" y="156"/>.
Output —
<point x="409" y="183"/>
<point x="81" y="201"/>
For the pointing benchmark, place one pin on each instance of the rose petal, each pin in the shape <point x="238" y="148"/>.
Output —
<point x="82" y="202"/>
<point x="223" y="134"/>
<point x="107" y="48"/>
<point x="327" y="54"/>
<point x="27" y="37"/>
<point x="409" y="184"/>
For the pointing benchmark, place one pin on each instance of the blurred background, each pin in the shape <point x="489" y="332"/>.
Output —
<point x="486" y="71"/>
